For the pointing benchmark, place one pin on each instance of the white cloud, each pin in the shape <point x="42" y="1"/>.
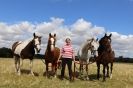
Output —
<point x="122" y="44"/>
<point x="79" y="31"/>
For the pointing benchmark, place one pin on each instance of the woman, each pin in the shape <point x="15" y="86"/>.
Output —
<point x="67" y="55"/>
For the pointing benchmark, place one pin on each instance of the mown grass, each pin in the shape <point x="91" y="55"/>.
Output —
<point x="122" y="77"/>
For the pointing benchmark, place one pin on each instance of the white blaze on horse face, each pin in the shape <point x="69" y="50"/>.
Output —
<point x="37" y="43"/>
<point x="96" y="53"/>
<point x="95" y="45"/>
<point x="52" y="44"/>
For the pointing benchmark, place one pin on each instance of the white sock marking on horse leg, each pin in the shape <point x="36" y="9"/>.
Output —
<point x="31" y="65"/>
<point x="21" y="62"/>
<point x="19" y="70"/>
<point x="111" y="76"/>
<point x="15" y="64"/>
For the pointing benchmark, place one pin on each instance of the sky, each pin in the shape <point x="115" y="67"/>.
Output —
<point x="78" y="19"/>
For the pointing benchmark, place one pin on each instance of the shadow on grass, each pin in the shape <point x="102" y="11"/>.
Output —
<point x="80" y="76"/>
<point x="26" y="71"/>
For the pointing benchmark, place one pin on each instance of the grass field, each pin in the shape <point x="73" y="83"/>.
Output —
<point x="122" y="77"/>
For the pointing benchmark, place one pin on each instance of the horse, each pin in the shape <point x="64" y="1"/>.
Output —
<point x="105" y="56"/>
<point x="52" y="54"/>
<point x="86" y="52"/>
<point x="26" y="50"/>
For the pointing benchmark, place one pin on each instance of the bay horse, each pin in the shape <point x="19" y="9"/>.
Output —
<point x="52" y="54"/>
<point x="26" y="50"/>
<point x="87" y="50"/>
<point x="105" y="56"/>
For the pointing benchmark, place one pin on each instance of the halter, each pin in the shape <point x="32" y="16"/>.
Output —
<point x="35" y="45"/>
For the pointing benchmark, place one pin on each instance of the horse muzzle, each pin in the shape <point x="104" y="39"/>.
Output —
<point x="38" y="51"/>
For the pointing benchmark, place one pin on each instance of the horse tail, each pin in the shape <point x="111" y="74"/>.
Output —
<point x="14" y="46"/>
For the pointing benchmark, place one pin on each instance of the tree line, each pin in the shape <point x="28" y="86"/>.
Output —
<point x="7" y="53"/>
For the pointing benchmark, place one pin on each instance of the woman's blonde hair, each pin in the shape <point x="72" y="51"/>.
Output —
<point x="68" y="39"/>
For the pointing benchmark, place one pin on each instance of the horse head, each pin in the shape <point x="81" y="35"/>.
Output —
<point x="94" y="47"/>
<point x="51" y="41"/>
<point x="105" y="43"/>
<point x="105" y="40"/>
<point x="37" y="42"/>
<point x="90" y="46"/>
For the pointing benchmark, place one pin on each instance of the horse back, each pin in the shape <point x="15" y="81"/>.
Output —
<point x="14" y="46"/>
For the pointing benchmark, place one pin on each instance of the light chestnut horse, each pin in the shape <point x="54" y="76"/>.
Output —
<point x="52" y="54"/>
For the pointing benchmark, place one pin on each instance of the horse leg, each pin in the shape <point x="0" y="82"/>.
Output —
<point x="98" y="71"/>
<point x="21" y="62"/>
<point x="111" y="68"/>
<point x="104" y="76"/>
<point x="107" y="71"/>
<point x="56" y="69"/>
<point x="87" y="78"/>
<point x="46" y="68"/>
<point x="53" y="69"/>
<point x="31" y="65"/>
<point x="16" y="63"/>
<point x="19" y="67"/>
<point x="81" y="69"/>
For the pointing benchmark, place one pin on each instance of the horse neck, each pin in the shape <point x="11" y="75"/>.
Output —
<point x="30" y="46"/>
<point x="105" y="48"/>
<point x="84" y="48"/>
<point x="49" y="47"/>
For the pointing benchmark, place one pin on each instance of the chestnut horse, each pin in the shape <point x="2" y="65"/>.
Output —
<point x="105" y="56"/>
<point x="52" y="54"/>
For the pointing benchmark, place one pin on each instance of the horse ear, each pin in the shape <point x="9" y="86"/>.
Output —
<point x="97" y="39"/>
<point x="50" y="34"/>
<point x="105" y="34"/>
<point x="92" y="39"/>
<point x="40" y="37"/>
<point x="54" y="35"/>
<point x="34" y="35"/>
<point x="110" y="35"/>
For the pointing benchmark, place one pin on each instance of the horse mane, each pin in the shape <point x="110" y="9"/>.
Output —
<point x="84" y="46"/>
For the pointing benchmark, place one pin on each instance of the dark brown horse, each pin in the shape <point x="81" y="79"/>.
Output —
<point x="52" y="54"/>
<point x="105" y="56"/>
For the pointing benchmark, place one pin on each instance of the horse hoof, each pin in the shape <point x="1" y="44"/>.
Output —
<point x="55" y="76"/>
<point x="103" y="80"/>
<point x="107" y="75"/>
<point x="87" y="78"/>
<point x="32" y="74"/>
<point x="19" y="74"/>
<point x="111" y="76"/>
